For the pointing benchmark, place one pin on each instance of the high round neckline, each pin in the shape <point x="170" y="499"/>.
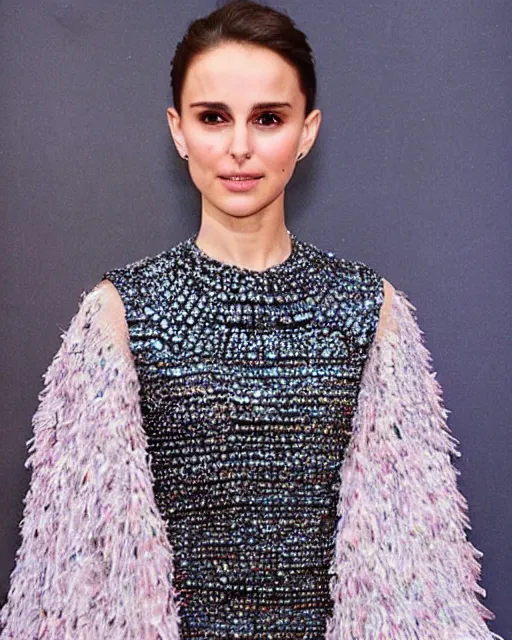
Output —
<point x="227" y="268"/>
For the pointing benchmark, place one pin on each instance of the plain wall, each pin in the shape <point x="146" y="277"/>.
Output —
<point x="411" y="174"/>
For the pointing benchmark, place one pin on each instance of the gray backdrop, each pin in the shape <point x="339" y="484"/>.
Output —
<point x="410" y="174"/>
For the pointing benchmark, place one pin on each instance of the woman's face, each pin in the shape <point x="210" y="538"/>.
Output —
<point x="235" y="135"/>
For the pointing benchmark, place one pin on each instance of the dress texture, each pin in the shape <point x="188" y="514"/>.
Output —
<point x="251" y="462"/>
<point x="249" y="381"/>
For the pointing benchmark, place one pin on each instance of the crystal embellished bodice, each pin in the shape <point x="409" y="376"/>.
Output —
<point x="249" y="381"/>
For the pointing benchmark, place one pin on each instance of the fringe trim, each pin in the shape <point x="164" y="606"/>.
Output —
<point x="403" y="566"/>
<point x="94" y="561"/>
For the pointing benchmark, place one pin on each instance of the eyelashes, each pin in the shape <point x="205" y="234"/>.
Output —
<point x="277" y="120"/>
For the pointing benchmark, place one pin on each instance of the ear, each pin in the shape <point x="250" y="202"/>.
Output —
<point x="310" y="131"/>
<point x="174" y="122"/>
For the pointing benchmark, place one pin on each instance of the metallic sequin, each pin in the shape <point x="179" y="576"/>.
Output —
<point x="249" y="381"/>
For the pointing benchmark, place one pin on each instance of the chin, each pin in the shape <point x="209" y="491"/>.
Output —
<point x="239" y="207"/>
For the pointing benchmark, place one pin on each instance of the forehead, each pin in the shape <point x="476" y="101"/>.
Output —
<point x="234" y="70"/>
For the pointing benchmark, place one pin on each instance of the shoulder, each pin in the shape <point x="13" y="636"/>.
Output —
<point x="140" y="282"/>
<point x="127" y="289"/>
<point x="370" y="289"/>
<point x="386" y="320"/>
<point x="138" y="270"/>
<point x="112" y="315"/>
<point x="367" y="286"/>
<point x="355" y="279"/>
<point x="354" y="295"/>
<point x="112" y="302"/>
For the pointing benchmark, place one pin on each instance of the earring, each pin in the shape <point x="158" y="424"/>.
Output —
<point x="185" y="157"/>
<point x="299" y="157"/>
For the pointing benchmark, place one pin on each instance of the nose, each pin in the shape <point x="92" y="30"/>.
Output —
<point x="240" y="144"/>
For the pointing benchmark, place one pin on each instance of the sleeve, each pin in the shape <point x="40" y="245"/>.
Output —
<point x="94" y="560"/>
<point x="403" y="567"/>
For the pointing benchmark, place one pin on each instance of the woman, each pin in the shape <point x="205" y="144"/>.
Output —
<point x="242" y="436"/>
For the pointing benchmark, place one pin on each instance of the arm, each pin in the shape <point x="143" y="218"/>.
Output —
<point x="94" y="561"/>
<point x="405" y="569"/>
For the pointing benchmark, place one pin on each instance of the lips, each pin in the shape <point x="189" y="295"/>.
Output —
<point x="241" y="176"/>
<point x="240" y="183"/>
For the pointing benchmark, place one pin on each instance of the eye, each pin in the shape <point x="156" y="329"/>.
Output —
<point x="208" y="114"/>
<point x="277" y="119"/>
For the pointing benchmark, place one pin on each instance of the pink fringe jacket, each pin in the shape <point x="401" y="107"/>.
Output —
<point x="95" y="562"/>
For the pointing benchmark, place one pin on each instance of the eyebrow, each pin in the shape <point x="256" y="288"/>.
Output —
<point x="259" y="105"/>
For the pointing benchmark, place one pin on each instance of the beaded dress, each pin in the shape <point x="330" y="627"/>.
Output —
<point x="249" y="380"/>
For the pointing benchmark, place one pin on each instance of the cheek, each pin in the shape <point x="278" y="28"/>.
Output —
<point x="205" y="162"/>
<point x="203" y="148"/>
<point x="278" y="152"/>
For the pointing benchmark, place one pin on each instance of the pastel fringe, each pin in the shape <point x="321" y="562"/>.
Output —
<point x="404" y="567"/>
<point x="95" y="562"/>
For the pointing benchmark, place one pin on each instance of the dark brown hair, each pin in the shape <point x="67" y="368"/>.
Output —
<point x="245" y="21"/>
